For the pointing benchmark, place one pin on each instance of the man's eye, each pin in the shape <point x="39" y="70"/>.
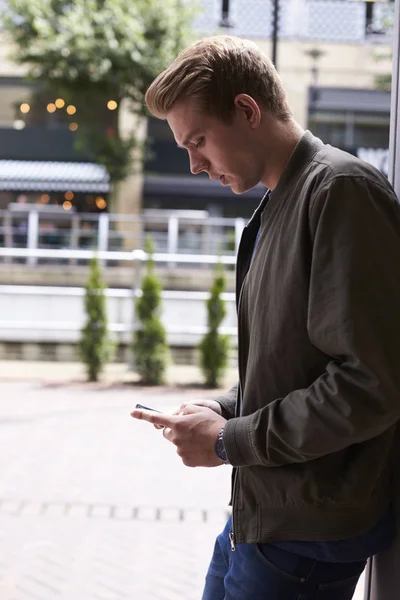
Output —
<point x="199" y="143"/>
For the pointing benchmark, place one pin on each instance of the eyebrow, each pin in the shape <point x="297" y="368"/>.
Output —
<point x="187" y="140"/>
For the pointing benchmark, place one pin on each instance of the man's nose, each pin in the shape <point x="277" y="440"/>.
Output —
<point x="197" y="164"/>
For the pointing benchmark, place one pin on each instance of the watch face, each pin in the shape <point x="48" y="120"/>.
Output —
<point x="220" y="449"/>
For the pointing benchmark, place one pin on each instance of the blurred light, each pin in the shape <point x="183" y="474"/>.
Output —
<point x="19" y="124"/>
<point x="71" y="109"/>
<point x="67" y="205"/>
<point x="112" y="105"/>
<point x="51" y="107"/>
<point x="59" y="103"/>
<point x="24" y="108"/>
<point x="100" y="203"/>
<point x="44" y="198"/>
<point x="73" y="126"/>
<point x="69" y="195"/>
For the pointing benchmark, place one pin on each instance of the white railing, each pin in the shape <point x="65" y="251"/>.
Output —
<point x="36" y="227"/>
<point x="184" y="314"/>
<point x="134" y="257"/>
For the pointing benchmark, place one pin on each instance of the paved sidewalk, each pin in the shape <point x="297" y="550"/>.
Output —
<point x="93" y="504"/>
<point x="115" y="374"/>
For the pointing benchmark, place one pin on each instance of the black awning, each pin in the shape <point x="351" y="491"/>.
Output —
<point x="53" y="176"/>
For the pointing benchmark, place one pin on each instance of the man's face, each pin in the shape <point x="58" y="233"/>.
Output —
<point x="223" y="151"/>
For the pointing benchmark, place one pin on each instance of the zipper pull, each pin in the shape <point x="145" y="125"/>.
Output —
<point x="232" y="541"/>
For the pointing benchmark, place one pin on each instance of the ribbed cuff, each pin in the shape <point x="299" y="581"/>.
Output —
<point x="237" y="442"/>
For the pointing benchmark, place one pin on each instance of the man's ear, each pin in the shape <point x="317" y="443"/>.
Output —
<point x="249" y="109"/>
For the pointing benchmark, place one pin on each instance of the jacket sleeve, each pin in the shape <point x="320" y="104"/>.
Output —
<point x="228" y="402"/>
<point x="354" y="318"/>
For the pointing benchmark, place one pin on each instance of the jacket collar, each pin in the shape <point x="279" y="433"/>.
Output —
<point x="302" y="155"/>
<point x="256" y="216"/>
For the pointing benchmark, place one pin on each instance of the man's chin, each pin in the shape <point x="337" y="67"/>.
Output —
<point x="239" y="189"/>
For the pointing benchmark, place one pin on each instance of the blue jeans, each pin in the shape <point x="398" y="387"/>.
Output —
<point x="261" y="571"/>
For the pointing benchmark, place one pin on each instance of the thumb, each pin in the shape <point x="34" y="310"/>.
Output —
<point x="155" y="418"/>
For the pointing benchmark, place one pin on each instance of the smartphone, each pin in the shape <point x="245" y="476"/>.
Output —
<point x="142" y="407"/>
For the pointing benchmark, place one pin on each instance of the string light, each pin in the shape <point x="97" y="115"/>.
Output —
<point x="24" y="108"/>
<point x="67" y="205"/>
<point x="71" y="109"/>
<point x="59" y="103"/>
<point x="73" y="126"/>
<point x="51" y="107"/>
<point x="100" y="203"/>
<point x="112" y="105"/>
<point x="69" y="195"/>
<point x="44" y="198"/>
<point x="19" y="124"/>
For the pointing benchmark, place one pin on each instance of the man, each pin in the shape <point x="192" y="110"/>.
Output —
<point x="309" y="428"/>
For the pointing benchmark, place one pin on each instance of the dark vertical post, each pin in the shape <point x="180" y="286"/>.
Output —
<point x="225" y="21"/>
<point x="382" y="580"/>
<point x="369" y="16"/>
<point x="275" y="28"/>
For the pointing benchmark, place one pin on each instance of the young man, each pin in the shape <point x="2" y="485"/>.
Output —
<point x="309" y="428"/>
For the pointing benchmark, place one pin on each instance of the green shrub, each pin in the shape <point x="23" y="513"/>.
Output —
<point x="214" y="347"/>
<point x="150" y="347"/>
<point x="95" y="346"/>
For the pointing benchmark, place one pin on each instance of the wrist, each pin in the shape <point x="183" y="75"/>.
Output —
<point x="219" y="447"/>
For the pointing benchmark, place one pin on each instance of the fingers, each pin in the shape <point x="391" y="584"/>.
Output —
<point x="167" y="433"/>
<point x="188" y="409"/>
<point x="181" y="409"/>
<point x="191" y="407"/>
<point x="212" y="404"/>
<point x="156" y="419"/>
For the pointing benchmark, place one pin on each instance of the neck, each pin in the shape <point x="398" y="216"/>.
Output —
<point x="281" y="138"/>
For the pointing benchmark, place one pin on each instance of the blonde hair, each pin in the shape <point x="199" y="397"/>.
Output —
<point x="214" y="70"/>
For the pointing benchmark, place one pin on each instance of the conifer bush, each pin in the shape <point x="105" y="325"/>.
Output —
<point x="214" y="347"/>
<point x="95" y="346"/>
<point x="150" y="347"/>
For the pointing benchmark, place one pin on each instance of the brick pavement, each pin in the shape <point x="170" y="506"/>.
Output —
<point x="95" y="505"/>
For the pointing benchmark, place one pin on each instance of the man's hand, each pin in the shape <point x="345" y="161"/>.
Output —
<point x="213" y="404"/>
<point x="193" y="431"/>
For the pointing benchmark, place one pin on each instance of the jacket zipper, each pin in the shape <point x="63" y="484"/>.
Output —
<point x="232" y="533"/>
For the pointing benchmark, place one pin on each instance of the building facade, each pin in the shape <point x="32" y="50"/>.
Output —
<point x="330" y="55"/>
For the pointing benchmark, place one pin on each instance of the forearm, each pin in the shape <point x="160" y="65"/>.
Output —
<point x="341" y="408"/>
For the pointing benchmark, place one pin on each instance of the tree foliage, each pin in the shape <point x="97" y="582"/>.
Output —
<point x="91" y="51"/>
<point x="150" y="347"/>
<point x="95" y="347"/>
<point x="214" y="348"/>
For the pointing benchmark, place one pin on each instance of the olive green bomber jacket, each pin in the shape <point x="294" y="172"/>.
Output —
<point x="318" y="352"/>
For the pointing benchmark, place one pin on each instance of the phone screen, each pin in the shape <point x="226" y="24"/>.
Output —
<point x="143" y="407"/>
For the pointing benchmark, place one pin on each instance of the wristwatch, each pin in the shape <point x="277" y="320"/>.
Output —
<point x="219" y="448"/>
